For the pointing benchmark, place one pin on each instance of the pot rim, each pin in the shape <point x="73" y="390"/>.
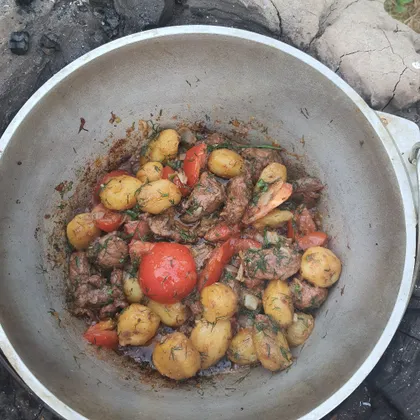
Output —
<point x="372" y="118"/>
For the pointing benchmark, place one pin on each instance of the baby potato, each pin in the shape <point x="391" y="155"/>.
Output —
<point x="176" y="357"/>
<point x="273" y="172"/>
<point x="242" y="350"/>
<point x="157" y="196"/>
<point x="278" y="303"/>
<point x="225" y="163"/>
<point x="137" y="324"/>
<point x="151" y="171"/>
<point x="173" y="315"/>
<point x="81" y="231"/>
<point x="219" y="302"/>
<point x="119" y="193"/>
<point x="211" y="340"/>
<point x="300" y="330"/>
<point x="132" y="289"/>
<point x="274" y="219"/>
<point x="320" y="266"/>
<point x="164" y="147"/>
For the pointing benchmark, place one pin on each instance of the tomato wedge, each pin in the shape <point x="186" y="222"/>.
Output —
<point x="312" y="239"/>
<point x="221" y="232"/>
<point x="104" y="180"/>
<point x="290" y="229"/>
<point x="220" y="257"/>
<point x="304" y="221"/>
<point x="169" y="173"/>
<point x="102" y="334"/>
<point x="195" y="158"/>
<point x="105" y="219"/>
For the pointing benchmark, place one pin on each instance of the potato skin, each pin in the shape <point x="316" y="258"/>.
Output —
<point x="273" y="172"/>
<point x="274" y="219"/>
<point x="300" y="330"/>
<point x="81" y="231"/>
<point x="151" y="171"/>
<point x="225" y="163"/>
<point x="176" y="357"/>
<point x="157" y="196"/>
<point x="132" y="289"/>
<point x="211" y="340"/>
<point x="173" y="315"/>
<point x="219" y="302"/>
<point x="242" y="349"/>
<point x="119" y="193"/>
<point x="164" y="147"/>
<point x="320" y="266"/>
<point x="278" y="303"/>
<point x="137" y="324"/>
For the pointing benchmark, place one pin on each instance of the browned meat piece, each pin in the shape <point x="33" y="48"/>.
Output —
<point x="307" y="191"/>
<point x="305" y="296"/>
<point x="87" y="297"/>
<point x="259" y="159"/>
<point x="214" y="139"/>
<point x="137" y="229"/>
<point x="201" y="253"/>
<point x="239" y="192"/>
<point x="304" y="221"/>
<point x="96" y="281"/>
<point x="196" y="307"/>
<point x="279" y="262"/>
<point x="253" y="283"/>
<point x="207" y="196"/>
<point x="110" y="251"/>
<point x="245" y="320"/>
<point x="79" y="267"/>
<point x="205" y="225"/>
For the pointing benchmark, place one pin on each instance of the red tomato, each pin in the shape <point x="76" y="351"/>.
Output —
<point x="195" y="158"/>
<point x="167" y="274"/>
<point x="221" y="232"/>
<point x="312" y="239"/>
<point x="169" y="173"/>
<point x="290" y="229"/>
<point x="104" y="180"/>
<point x="138" y="248"/>
<point x="105" y="219"/>
<point x="220" y="257"/>
<point x="304" y="221"/>
<point x="102" y="334"/>
<point x="137" y="229"/>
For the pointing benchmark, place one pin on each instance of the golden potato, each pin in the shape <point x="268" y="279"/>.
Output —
<point x="173" y="315"/>
<point x="219" y="302"/>
<point x="211" y="340"/>
<point x="271" y="347"/>
<point x="176" y="357"/>
<point x="274" y="219"/>
<point x="157" y="196"/>
<point x="320" y="266"/>
<point x="164" y="147"/>
<point x="119" y="193"/>
<point x="137" y="324"/>
<point x="132" y="289"/>
<point x="225" y="163"/>
<point x="300" y="330"/>
<point x="151" y="171"/>
<point x="273" y="172"/>
<point x="81" y="231"/>
<point x="242" y="350"/>
<point x="278" y="303"/>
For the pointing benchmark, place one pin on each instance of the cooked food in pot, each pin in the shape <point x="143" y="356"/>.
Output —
<point x="205" y="252"/>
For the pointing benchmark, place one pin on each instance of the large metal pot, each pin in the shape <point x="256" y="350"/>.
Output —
<point x="199" y="73"/>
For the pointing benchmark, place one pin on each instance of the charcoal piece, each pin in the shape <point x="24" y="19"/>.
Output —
<point x="19" y="42"/>
<point x="49" y="43"/>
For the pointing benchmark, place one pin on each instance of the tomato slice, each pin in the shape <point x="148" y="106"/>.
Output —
<point x="290" y="229"/>
<point x="167" y="273"/>
<point x="195" y="158"/>
<point x="220" y="256"/>
<point x="169" y="173"/>
<point x="312" y="239"/>
<point x="104" y="180"/>
<point x="304" y="221"/>
<point x="102" y="334"/>
<point x="105" y="219"/>
<point x="221" y="232"/>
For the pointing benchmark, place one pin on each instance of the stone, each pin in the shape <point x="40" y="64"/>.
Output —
<point x="19" y="42"/>
<point x="49" y="43"/>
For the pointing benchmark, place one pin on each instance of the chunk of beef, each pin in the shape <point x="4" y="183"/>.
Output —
<point x="305" y="296"/>
<point x="206" y="223"/>
<point x="109" y="251"/>
<point x="201" y="253"/>
<point x="259" y="158"/>
<point x="253" y="283"/>
<point x="139" y="248"/>
<point x="214" y="139"/>
<point x="207" y="196"/>
<point x="79" y="267"/>
<point x="279" y="262"/>
<point x="239" y="193"/>
<point x="118" y="297"/>
<point x="137" y="229"/>
<point x="304" y="221"/>
<point x="306" y="190"/>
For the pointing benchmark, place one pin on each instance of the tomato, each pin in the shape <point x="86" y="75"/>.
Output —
<point x="304" y="221"/>
<point x="167" y="273"/>
<point x="195" y="158"/>
<point x="290" y="229"/>
<point x="312" y="239"/>
<point x="220" y="257"/>
<point x="138" y="248"/>
<point x="104" y="180"/>
<point x="169" y="173"/>
<point x="105" y="219"/>
<point x="137" y="229"/>
<point x="221" y="232"/>
<point x="102" y="334"/>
